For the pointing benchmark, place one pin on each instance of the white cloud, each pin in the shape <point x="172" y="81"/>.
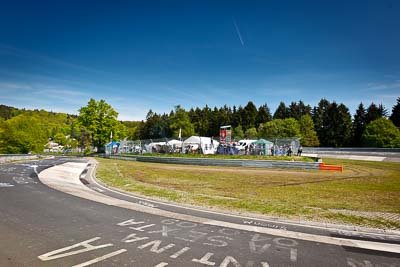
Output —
<point x="29" y="55"/>
<point x="14" y="86"/>
<point x="383" y="86"/>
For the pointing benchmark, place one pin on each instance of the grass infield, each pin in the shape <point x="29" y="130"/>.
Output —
<point x="363" y="186"/>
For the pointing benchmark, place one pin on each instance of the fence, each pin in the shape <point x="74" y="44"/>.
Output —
<point x="13" y="157"/>
<point x="225" y="162"/>
<point x="207" y="145"/>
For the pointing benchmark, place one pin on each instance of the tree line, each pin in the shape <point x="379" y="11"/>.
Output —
<point x="328" y="124"/>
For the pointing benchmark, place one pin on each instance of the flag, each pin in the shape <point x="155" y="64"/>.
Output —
<point x="180" y="133"/>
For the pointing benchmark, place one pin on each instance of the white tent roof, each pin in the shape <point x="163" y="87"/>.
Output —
<point x="174" y="142"/>
<point x="200" y="139"/>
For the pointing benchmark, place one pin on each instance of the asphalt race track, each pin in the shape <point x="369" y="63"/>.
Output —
<point x="42" y="226"/>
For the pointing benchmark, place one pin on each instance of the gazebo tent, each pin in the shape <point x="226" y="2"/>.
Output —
<point x="208" y="146"/>
<point x="112" y="148"/>
<point x="175" y="145"/>
<point x="174" y="142"/>
<point x="264" y="145"/>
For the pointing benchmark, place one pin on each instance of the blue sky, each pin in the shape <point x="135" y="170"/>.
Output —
<point x="141" y="55"/>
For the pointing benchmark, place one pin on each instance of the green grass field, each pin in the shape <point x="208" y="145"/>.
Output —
<point x="313" y="195"/>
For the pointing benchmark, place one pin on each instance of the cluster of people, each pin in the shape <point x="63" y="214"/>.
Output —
<point x="227" y="149"/>
<point x="285" y="150"/>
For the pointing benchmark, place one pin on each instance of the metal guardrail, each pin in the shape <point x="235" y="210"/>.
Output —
<point x="224" y="162"/>
<point x="350" y="150"/>
<point x="11" y="157"/>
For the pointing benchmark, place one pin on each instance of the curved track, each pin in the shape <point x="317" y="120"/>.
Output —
<point x="40" y="226"/>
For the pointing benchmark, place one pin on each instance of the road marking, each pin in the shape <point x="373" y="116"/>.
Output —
<point x="229" y="260"/>
<point x="179" y="253"/>
<point x="354" y="263"/>
<point x="132" y="238"/>
<point x="98" y="189"/>
<point x="144" y="203"/>
<point x="220" y="244"/>
<point x="34" y="168"/>
<point x="140" y="229"/>
<point x="164" y="231"/>
<point x="112" y="254"/>
<point x="205" y="259"/>
<point x="6" y="185"/>
<point x="52" y="255"/>
<point x="155" y="246"/>
<point x="23" y="180"/>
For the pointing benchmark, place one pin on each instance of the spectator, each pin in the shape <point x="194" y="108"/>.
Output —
<point x="299" y="151"/>
<point x="289" y="152"/>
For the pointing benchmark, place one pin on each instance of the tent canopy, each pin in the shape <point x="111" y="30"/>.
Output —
<point x="199" y="139"/>
<point x="208" y="145"/>
<point x="174" y="142"/>
<point x="262" y="142"/>
<point x="113" y="143"/>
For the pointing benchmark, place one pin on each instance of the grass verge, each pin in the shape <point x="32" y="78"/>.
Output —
<point x="362" y="186"/>
<point x="221" y="156"/>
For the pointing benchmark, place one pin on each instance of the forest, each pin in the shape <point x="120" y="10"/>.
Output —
<point x="327" y="124"/>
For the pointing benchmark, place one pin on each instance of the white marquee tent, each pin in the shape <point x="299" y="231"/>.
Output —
<point x="207" y="145"/>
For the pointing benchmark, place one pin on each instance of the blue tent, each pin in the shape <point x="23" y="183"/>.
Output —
<point x="112" y="147"/>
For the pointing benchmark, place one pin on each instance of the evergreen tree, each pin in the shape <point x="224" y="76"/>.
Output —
<point x="294" y="111"/>
<point x="395" y="117"/>
<point x="343" y="128"/>
<point x="249" y="116"/>
<point x="263" y="115"/>
<point x="206" y="117"/>
<point x="359" y="124"/>
<point x="236" y="116"/>
<point x="282" y="112"/>
<point x="383" y="111"/>
<point x="321" y="121"/>
<point x="224" y="116"/>
<point x="214" y="123"/>
<point x="373" y="113"/>
<point x="154" y="126"/>
<point x="304" y="109"/>
<point x="332" y="123"/>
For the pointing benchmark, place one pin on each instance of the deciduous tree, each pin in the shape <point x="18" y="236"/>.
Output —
<point x="22" y="134"/>
<point x="251" y="133"/>
<point x="308" y="134"/>
<point x="100" y="119"/>
<point x="381" y="133"/>
<point x="279" y="128"/>
<point x="237" y="133"/>
<point x="180" y="121"/>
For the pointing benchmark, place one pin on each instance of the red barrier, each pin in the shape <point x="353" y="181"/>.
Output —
<point x="324" y="167"/>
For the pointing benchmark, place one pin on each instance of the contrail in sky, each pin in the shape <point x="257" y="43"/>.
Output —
<point x="238" y="32"/>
